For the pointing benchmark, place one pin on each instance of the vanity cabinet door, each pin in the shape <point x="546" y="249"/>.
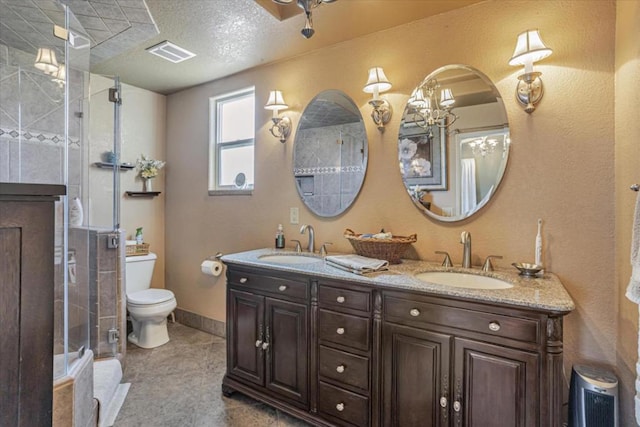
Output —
<point x="245" y="357"/>
<point x="415" y="377"/>
<point x="287" y="351"/>
<point x="494" y="386"/>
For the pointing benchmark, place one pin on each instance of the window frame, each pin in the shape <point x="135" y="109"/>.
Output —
<point x="215" y="148"/>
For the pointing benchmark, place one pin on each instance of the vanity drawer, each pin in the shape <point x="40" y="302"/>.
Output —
<point x="338" y="299"/>
<point x="412" y="312"/>
<point x="345" y="368"/>
<point x="344" y="329"/>
<point x="277" y="286"/>
<point x="344" y="405"/>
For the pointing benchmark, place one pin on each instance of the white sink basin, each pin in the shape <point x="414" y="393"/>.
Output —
<point x="290" y="259"/>
<point x="463" y="280"/>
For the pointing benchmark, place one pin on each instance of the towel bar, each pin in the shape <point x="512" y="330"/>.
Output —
<point x="635" y="187"/>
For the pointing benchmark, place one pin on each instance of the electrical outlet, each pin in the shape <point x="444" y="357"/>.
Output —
<point x="294" y="217"/>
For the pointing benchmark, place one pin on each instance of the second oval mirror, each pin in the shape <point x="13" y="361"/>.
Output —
<point x="330" y="153"/>
<point x="453" y="143"/>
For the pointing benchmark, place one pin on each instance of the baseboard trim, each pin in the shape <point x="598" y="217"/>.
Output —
<point x="197" y="321"/>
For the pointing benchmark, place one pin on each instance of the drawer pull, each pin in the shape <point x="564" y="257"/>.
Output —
<point x="414" y="312"/>
<point x="243" y="280"/>
<point x="457" y="406"/>
<point x="340" y="331"/>
<point x="340" y="407"/>
<point x="340" y="369"/>
<point x="494" y="326"/>
<point x="265" y="345"/>
<point x="340" y="299"/>
<point x="282" y="288"/>
<point x="443" y="402"/>
<point x="258" y="343"/>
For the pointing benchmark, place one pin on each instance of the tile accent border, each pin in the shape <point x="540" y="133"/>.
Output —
<point x="197" y="321"/>
<point x="38" y="137"/>
<point x="327" y="170"/>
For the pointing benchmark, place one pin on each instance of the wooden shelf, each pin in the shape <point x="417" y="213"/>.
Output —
<point x="123" y="166"/>
<point x="143" y="193"/>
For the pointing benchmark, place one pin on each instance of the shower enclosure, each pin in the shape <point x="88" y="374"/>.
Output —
<point x="47" y="136"/>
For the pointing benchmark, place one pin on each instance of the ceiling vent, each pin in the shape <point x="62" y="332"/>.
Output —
<point x="170" y="52"/>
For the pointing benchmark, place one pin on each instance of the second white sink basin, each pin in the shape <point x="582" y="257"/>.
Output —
<point x="463" y="280"/>
<point x="290" y="259"/>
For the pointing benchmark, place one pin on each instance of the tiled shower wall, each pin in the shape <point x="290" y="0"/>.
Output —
<point x="330" y="187"/>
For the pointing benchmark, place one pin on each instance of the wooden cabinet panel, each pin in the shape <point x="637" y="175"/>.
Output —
<point x="278" y="287"/>
<point x="287" y="364"/>
<point x="245" y="359"/>
<point x="344" y="368"/>
<point x="338" y="298"/>
<point x="344" y="329"/>
<point x="350" y="409"/>
<point x="415" y="377"/>
<point x="495" y="386"/>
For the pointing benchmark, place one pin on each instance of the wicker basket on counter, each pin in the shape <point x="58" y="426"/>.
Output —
<point x="138" y="249"/>
<point x="388" y="249"/>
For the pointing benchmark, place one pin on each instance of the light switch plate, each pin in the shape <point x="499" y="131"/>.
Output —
<point x="294" y="217"/>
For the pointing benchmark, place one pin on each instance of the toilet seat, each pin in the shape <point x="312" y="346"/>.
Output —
<point x="149" y="297"/>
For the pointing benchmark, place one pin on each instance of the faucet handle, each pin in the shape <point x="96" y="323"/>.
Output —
<point x="323" y="249"/>
<point x="447" y="259"/>
<point x="298" y="248"/>
<point x="487" y="266"/>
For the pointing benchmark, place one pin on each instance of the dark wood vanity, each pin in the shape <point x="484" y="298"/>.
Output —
<point x="339" y="352"/>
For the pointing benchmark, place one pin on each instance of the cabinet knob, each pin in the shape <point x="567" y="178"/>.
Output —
<point x="265" y="345"/>
<point x="243" y="280"/>
<point x="282" y="288"/>
<point x="340" y="369"/>
<point x="414" y="312"/>
<point x="340" y="406"/>
<point x="494" y="326"/>
<point x="340" y="299"/>
<point x="457" y="406"/>
<point x="258" y="343"/>
<point x="340" y="331"/>
<point x="443" y="402"/>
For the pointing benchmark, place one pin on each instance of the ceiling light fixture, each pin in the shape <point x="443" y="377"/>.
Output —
<point x="281" y="125"/>
<point x="46" y="60"/>
<point x="427" y="111"/>
<point x="307" y="6"/>
<point x="529" y="49"/>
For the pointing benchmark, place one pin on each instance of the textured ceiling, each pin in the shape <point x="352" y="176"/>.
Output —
<point x="229" y="36"/>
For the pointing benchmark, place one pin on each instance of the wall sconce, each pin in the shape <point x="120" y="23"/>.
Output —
<point x="60" y="76"/>
<point x="281" y="125"/>
<point x="529" y="49"/>
<point x="377" y="84"/>
<point x="46" y="60"/>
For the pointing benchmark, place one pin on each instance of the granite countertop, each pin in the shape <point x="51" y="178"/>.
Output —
<point x="543" y="293"/>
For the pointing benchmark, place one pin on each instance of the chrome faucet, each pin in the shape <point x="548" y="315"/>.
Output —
<point x="312" y="245"/>
<point x="465" y="239"/>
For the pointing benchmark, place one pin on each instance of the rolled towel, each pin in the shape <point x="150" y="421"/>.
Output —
<point x="357" y="264"/>
<point x="633" y="289"/>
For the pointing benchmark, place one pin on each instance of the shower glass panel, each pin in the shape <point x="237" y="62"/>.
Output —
<point x="43" y="86"/>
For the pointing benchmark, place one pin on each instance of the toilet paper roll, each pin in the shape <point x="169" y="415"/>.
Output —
<point x="211" y="268"/>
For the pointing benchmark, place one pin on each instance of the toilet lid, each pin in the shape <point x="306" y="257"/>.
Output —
<point x="150" y="296"/>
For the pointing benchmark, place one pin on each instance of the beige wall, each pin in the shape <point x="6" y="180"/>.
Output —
<point x="143" y="127"/>
<point x="561" y="168"/>
<point x="627" y="153"/>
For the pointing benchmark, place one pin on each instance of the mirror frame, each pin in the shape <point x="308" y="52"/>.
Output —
<point x="448" y="137"/>
<point x="364" y="150"/>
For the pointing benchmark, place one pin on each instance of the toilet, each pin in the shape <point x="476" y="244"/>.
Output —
<point x="148" y="308"/>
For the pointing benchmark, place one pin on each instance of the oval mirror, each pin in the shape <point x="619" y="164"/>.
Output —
<point x="330" y="153"/>
<point x="453" y="143"/>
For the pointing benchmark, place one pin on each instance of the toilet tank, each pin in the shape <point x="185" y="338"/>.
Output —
<point x="138" y="271"/>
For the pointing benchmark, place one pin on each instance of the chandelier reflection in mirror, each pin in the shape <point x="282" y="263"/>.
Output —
<point x="427" y="111"/>
<point x="487" y="144"/>
<point x="307" y="6"/>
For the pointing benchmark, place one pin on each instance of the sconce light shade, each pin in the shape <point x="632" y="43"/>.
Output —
<point x="377" y="83"/>
<point x="446" y="98"/>
<point x="46" y="60"/>
<point x="60" y="75"/>
<point x="529" y="49"/>
<point x="281" y="125"/>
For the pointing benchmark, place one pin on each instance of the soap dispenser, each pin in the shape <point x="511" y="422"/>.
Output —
<point x="280" y="238"/>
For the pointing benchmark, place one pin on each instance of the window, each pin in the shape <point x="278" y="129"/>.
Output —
<point x="231" y="142"/>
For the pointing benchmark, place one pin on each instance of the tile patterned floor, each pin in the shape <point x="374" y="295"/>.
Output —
<point x="179" y="385"/>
